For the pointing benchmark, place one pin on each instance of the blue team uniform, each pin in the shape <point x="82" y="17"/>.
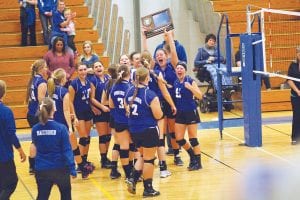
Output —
<point x="53" y="147"/>
<point x="82" y="99"/>
<point x="153" y="84"/>
<point x="58" y="97"/>
<point x="117" y="94"/>
<point x="33" y="97"/>
<point x="169" y="75"/>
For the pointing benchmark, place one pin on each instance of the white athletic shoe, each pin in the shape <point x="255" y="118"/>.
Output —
<point x="165" y="174"/>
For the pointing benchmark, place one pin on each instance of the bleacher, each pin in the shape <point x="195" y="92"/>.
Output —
<point x="208" y="14"/>
<point x="15" y="61"/>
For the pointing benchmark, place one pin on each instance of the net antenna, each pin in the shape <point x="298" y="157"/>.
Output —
<point x="280" y="37"/>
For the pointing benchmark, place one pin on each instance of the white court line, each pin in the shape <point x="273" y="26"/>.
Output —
<point x="262" y="150"/>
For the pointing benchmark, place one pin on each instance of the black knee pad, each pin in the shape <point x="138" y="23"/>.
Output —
<point x="124" y="153"/>
<point x="172" y="135"/>
<point x="151" y="161"/>
<point x="107" y="138"/>
<point x="116" y="147"/>
<point x="88" y="140"/>
<point x="161" y="143"/>
<point x="102" y="139"/>
<point x="132" y="147"/>
<point x="76" y="152"/>
<point x="82" y="141"/>
<point x="194" y="142"/>
<point x="181" y="142"/>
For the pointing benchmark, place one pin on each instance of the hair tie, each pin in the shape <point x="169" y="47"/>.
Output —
<point x="121" y="73"/>
<point x="42" y="104"/>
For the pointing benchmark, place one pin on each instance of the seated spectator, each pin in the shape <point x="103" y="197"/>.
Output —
<point x="27" y="20"/>
<point x="207" y="57"/>
<point x="58" y="57"/>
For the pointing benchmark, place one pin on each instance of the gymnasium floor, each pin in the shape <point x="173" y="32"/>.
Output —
<point x="227" y="166"/>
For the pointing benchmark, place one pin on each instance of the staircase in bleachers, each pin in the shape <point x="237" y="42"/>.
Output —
<point x="15" y="61"/>
<point x="208" y="14"/>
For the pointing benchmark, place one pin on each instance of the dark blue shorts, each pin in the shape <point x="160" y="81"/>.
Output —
<point x="86" y="115"/>
<point x="111" y="121"/>
<point x="148" y="138"/>
<point x="121" y="127"/>
<point x="166" y="108"/>
<point x="189" y="117"/>
<point x="103" y="117"/>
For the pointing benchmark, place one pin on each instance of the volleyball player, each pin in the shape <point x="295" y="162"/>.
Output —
<point x="81" y="111"/>
<point x="112" y="72"/>
<point x="116" y="102"/>
<point x="102" y="120"/>
<point x="144" y="111"/>
<point x="60" y="95"/>
<point x="36" y="91"/>
<point x="187" y="117"/>
<point x="54" y="157"/>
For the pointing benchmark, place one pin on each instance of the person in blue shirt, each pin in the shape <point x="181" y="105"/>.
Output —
<point x="113" y="75"/>
<point x="54" y="158"/>
<point x="88" y="57"/>
<point x="116" y="102"/>
<point x="61" y="98"/>
<point x="144" y="111"/>
<point x="27" y="20"/>
<point x="46" y="9"/>
<point x="36" y="91"/>
<point x="180" y="50"/>
<point x="81" y="112"/>
<point x="98" y="81"/>
<point x="8" y="139"/>
<point x="187" y="117"/>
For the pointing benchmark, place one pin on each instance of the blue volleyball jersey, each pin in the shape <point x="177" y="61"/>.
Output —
<point x="184" y="98"/>
<point x="117" y="95"/>
<point x="169" y="75"/>
<point x="58" y="97"/>
<point x="141" y="116"/>
<point x="153" y="84"/>
<point x="99" y="85"/>
<point x="33" y="96"/>
<point x="82" y="95"/>
<point x="53" y="146"/>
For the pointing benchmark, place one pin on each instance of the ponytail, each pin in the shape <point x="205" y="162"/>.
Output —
<point x="55" y="80"/>
<point x="45" y="108"/>
<point x="123" y="71"/>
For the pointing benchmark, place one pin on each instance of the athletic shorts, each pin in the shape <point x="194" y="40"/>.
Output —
<point x="111" y="121"/>
<point x="148" y="138"/>
<point x="189" y="117"/>
<point x="103" y="117"/>
<point x="166" y="108"/>
<point x="121" y="127"/>
<point x="32" y="120"/>
<point x="86" y="115"/>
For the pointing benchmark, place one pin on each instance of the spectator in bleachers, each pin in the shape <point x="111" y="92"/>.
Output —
<point x="89" y="57"/>
<point x="59" y="21"/>
<point x="46" y="9"/>
<point x="27" y="20"/>
<point x="59" y="57"/>
<point x="181" y="53"/>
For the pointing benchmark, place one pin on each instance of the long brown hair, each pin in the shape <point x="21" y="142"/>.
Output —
<point x="2" y="88"/>
<point x="123" y="71"/>
<point x="35" y="68"/>
<point x="113" y="72"/>
<point x="140" y="76"/>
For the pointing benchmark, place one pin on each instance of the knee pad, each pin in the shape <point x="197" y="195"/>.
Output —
<point x="116" y="147"/>
<point x="107" y="138"/>
<point x="124" y="153"/>
<point x="132" y="147"/>
<point x="102" y="139"/>
<point x="82" y="141"/>
<point x="172" y="135"/>
<point x="88" y="140"/>
<point x="151" y="161"/>
<point x="181" y="142"/>
<point x="76" y="152"/>
<point x="161" y="143"/>
<point x="194" y="142"/>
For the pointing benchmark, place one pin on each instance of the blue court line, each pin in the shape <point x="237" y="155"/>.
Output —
<point x="203" y="125"/>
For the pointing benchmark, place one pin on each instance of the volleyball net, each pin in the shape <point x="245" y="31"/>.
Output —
<point x="280" y="31"/>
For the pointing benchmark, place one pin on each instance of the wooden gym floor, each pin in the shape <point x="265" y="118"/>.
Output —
<point x="224" y="162"/>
